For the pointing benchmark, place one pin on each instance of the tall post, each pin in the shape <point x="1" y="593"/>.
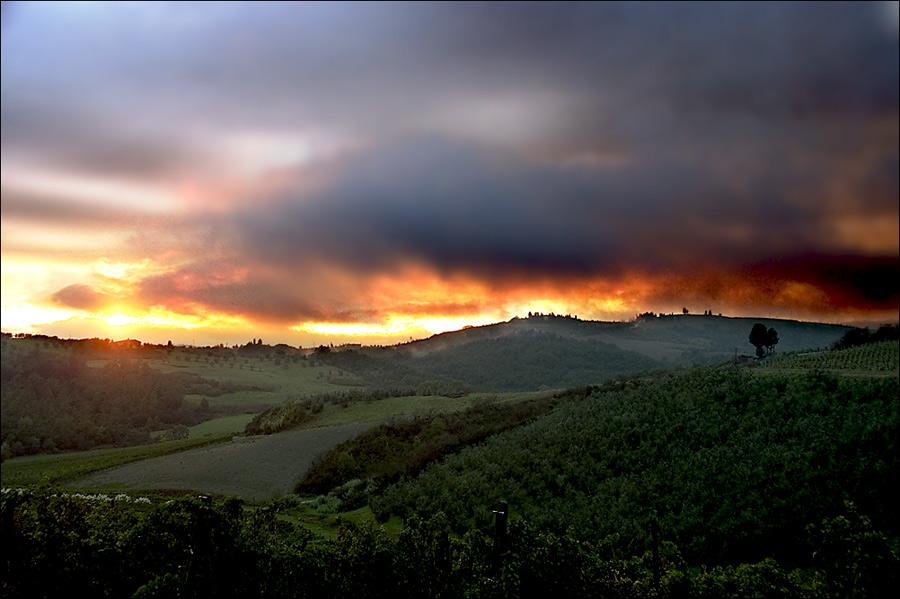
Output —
<point x="501" y="516"/>
<point x="500" y="520"/>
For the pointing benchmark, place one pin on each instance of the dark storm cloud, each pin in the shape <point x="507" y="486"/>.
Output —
<point x="850" y="280"/>
<point x="270" y="293"/>
<point x="497" y="217"/>
<point x="489" y="212"/>
<point x="790" y="60"/>
<point x="495" y="140"/>
<point x="434" y="201"/>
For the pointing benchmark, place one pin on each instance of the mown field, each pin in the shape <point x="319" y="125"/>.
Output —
<point x="255" y="468"/>
<point x="54" y="469"/>
<point x="264" y="382"/>
<point x="65" y="395"/>
<point x="224" y="469"/>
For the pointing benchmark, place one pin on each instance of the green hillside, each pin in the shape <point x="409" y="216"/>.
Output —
<point x="768" y="479"/>
<point x="53" y="389"/>
<point x="870" y="359"/>
<point x="732" y="462"/>
<point x="560" y="351"/>
<point x="679" y="338"/>
<point x="529" y="360"/>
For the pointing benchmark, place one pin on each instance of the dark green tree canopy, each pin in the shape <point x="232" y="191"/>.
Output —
<point x="771" y="340"/>
<point x="763" y="339"/>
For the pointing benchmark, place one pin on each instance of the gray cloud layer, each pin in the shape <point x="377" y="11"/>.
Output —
<point x="641" y="75"/>
<point x="496" y="140"/>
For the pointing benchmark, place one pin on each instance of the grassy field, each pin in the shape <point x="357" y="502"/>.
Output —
<point x="66" y="467"/>
<point x="259" y="383"/>
<point x="255" y="468"/>
<point x="273" y="380"/>
<point x="59" y="468"/>
<point x="63" y="467"/>
<point x="376" y="411"/>
<point x="220" y="427"/>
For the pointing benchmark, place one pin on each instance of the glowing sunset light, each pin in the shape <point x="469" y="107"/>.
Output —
<point x="436" y="325"/>
<point x="126" y="272"/>
<point x="24" y="318"/>
<point x="59" y="239"/>
<point x="393" y="327"/>
<point x="153" y="327"/>
<point x="153" y="320"/>
<point x="612" y="306"/>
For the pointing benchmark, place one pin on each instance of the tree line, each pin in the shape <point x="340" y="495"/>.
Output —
<point x="52" y="402"/>
<point x="863" y="336"/>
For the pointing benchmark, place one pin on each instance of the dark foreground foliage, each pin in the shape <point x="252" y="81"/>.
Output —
<point x="56" y="546"/>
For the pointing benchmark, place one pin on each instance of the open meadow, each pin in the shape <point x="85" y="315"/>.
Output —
<point x="253" y="382"/>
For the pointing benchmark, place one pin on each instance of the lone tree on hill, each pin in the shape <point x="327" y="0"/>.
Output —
<point x="763" y="339"/>
<point x="771" y="340"/>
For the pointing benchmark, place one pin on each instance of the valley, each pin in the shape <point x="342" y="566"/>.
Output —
<point x="589" y="436"/>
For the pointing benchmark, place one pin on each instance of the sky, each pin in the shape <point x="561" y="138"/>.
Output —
<point x="309" y="173"/>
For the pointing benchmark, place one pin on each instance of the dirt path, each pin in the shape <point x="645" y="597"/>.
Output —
<point x="253" y="467"/>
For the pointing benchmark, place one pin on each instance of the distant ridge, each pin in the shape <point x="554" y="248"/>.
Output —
<point x="664" y="337"/>
<point x="549" y="351"/>
<point x="552" y="351"/>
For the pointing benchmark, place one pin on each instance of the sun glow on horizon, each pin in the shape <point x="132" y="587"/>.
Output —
<point x="401" y="326"/>
<point x="118" y="322"/>
<point x="392" y="327"/>
<point x="23" y="318"/>
<point x="418" y="305"/>
<point x="119" y="319"/>
<point x="156" y="319"/>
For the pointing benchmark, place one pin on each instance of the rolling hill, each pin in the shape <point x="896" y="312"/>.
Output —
<point x="559" y="351"/>
<point x="676" y="338"/>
